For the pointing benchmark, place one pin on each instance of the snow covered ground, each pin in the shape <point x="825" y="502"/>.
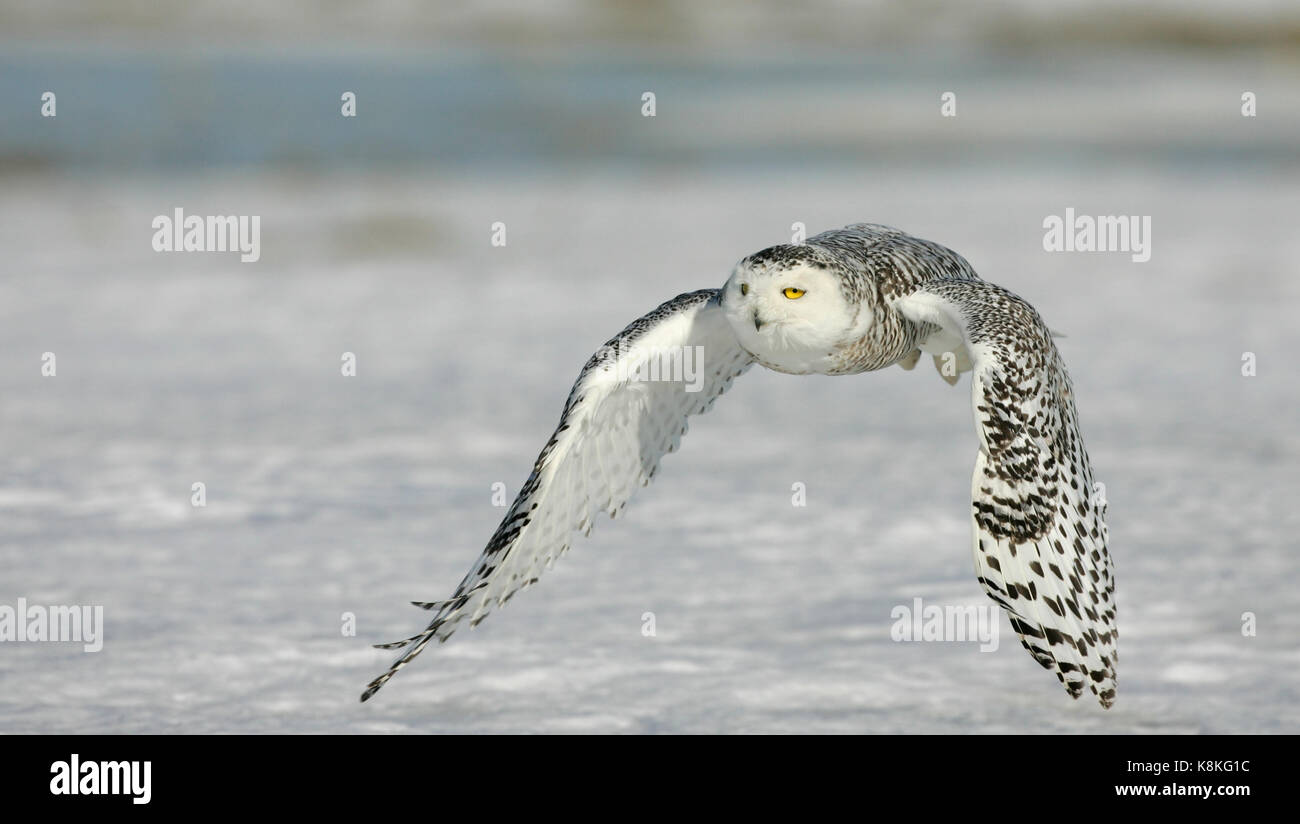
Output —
<point x="329" y="495"/>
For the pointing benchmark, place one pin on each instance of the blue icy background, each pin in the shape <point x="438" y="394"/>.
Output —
<point x="331" y="495"/>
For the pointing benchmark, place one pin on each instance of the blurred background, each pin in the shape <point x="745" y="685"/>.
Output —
<point x="330" y="496"/>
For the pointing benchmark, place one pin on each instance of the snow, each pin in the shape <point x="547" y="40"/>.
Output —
<point x="329" y="495"/>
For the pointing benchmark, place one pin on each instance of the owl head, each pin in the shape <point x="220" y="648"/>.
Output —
<point x="787" y="306"/>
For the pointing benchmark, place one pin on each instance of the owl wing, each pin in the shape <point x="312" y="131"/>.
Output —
<point x="1039" y="524"/>
<point x="627" y="410"/>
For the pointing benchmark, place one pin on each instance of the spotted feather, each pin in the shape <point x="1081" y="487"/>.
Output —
<point x="1040" y="538"/>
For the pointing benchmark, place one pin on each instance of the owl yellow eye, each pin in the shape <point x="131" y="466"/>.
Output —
<point x="792" y="293"/>
<point x="744" y="288"/>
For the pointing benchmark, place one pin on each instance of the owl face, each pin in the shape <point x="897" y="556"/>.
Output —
<point x="787" y="310"/>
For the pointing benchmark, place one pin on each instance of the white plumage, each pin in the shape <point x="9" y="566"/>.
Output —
<point x="848" y="301"/>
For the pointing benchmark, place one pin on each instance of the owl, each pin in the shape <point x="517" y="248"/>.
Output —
<point x="846" y="301"/>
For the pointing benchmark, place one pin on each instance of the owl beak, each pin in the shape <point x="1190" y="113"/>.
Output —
<point x="758" y="322"/>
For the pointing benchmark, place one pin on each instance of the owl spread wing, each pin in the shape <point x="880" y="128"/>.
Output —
<point x="1039" y="524"/>
<point x="627" y="410"/>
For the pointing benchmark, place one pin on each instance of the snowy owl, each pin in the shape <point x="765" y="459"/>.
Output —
<point x="846" y="301"/>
